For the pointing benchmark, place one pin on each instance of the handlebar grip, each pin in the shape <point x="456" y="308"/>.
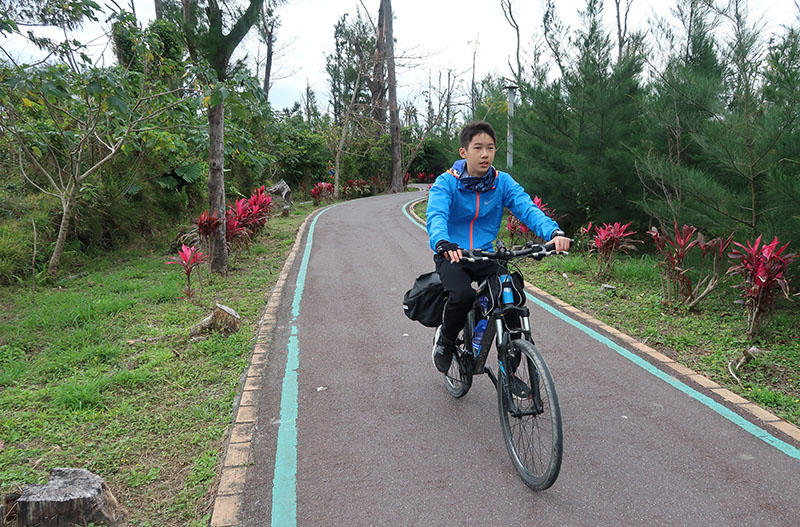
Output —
<point x="550" y="246"/>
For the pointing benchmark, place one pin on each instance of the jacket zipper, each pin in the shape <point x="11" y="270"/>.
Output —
<point x="477" y="210"/>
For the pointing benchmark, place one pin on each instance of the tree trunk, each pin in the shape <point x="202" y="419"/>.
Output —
<point x="159" y="5"/>
<point x="340" y="148"/>
<point x="216" y="186"/>
<point x="67" y="207"/>
<point x="268" y="65"/>
<point x="394" y="113"/>
<point x="269" y="32"/>
<point x="377" y="84"/>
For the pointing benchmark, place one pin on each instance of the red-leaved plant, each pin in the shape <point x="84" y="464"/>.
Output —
<point x="607" y="242"/>
<point x="207" y="224"/>
<point x="236" y="234"/>
<point x="244" y="218"/>
<point x="518" y="230"/>
<point x="356" y="188"/>
<point x="763" y="268"/>
<point x="550" y="213"/>
<point x="321" y="191"/>
<point x="260" y="203"/>
<point x="188" y="258"/>
<point x="376" y="185"/>
<point x="677" y="285"/>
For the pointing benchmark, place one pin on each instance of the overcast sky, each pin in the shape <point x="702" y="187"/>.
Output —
<point x="431" y="35"/>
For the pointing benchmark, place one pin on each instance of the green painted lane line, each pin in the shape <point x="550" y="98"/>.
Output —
<point x="410" y="217"/>
<point x="720" y="409"/>
<point x="284" y="481"/>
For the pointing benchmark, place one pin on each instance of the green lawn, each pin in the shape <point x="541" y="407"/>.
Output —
<point x="705" y="339"/>
<point x="149" y="416"/>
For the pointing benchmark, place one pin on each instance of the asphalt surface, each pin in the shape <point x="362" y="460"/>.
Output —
<point x="380" y="441"/>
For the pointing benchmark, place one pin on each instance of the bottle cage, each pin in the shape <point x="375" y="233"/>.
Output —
<point x="493" y="289"/>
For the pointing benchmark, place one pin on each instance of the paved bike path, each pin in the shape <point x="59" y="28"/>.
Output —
<point x="380" y="442"/>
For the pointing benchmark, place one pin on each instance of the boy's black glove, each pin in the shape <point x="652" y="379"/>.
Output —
<point x="443" y="246"/>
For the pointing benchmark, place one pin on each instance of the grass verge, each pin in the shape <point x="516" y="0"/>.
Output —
<point x="150" y="416"/>
<point x="704" y="339"/>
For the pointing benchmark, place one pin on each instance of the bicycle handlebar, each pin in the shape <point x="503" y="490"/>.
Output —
<point x="535" y="251"/>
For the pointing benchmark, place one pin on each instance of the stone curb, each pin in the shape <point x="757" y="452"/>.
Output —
<point x="236" y="460"/>
<point x="661" y="360"/>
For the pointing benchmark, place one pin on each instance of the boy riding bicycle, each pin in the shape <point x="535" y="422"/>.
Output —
<point x="465" y="210"/>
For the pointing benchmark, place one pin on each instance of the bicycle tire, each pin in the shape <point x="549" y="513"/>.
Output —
<point x="534" y="440"/>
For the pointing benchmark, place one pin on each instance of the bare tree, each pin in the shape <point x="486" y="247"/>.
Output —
<point x="377" y="83"/>
<point x="394" y="113"/>
<point x="337" y="144"/>
<point x="435" y="115"/>
<point x="507" y="11"/>
<point x="622" y="25"/>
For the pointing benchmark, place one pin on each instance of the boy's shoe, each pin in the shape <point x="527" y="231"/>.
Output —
<point x="442" y="353"/>
<point x="518" y="387"/>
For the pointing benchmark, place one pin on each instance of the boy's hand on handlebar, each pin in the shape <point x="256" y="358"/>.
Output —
<point x="562" y="243"/>
<point x="449" y="251"/>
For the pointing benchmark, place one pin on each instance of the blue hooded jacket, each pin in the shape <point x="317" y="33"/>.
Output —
<point x="472" y="219"/>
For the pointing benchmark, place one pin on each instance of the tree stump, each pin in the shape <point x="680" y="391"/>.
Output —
<point x="72" y="496"/>
<point x="222" y="318"/>
<point x="281" y="188"/>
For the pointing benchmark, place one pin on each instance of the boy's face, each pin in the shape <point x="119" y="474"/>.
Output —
<point x="479" y="154"/>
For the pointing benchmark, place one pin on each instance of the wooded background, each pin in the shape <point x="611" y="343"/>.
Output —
<point x="694" y="122"/>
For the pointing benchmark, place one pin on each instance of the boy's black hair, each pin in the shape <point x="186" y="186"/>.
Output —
<point x="474" y="128"/>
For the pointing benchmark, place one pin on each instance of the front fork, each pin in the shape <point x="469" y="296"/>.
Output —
<point x="503" y="350"/>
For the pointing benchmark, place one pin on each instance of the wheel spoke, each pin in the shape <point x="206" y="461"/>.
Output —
<point x="533" y="439"/>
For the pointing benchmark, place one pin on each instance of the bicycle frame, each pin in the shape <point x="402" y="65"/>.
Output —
<point x="499" y="332"/>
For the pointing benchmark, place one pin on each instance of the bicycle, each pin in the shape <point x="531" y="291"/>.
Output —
<point x="526" y="394"/>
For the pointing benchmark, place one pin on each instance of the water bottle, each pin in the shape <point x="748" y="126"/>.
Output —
<point x="508" y="293"/>
<point x="484" y="303"/>
<point x="477" y="335"/>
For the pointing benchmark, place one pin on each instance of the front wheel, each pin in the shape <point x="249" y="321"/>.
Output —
<point x="530" y="416"/>
<point x="458" y="379"/>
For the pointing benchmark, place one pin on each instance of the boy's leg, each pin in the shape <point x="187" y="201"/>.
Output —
<point x="457" y="281"/>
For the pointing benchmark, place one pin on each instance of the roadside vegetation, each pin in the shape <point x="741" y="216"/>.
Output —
<point x="86" y="379"/>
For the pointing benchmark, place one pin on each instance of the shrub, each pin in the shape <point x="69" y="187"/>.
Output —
<point x="608" y="241"/>
<point x="550" y="213"/>
<point x="321" y="191"/>
<point x="376" y="185"/>
<point x="517" y="229"/>
<point x="763" y="268"/>
<point x="207" y="224"/>
<point x="356" y="188"/>
<point x="676" y="281"/>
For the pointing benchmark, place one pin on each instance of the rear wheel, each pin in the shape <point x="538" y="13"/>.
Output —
<point x="530" y="416"/>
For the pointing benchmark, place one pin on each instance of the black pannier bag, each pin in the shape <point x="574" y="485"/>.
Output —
<point x="424" y="302"/>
